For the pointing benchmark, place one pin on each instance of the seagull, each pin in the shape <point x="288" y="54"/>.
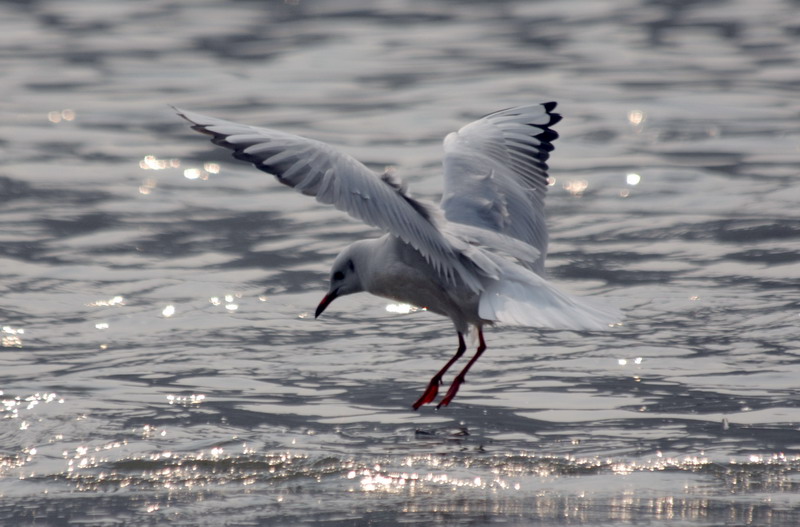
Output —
<point x="476" y="258"/>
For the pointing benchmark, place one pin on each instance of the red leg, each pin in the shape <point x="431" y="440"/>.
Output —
<point x="463" y="373"/>
<point x="433" y="386"/>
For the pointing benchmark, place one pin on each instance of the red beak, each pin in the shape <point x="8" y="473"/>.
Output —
<point x="326" y="301"/>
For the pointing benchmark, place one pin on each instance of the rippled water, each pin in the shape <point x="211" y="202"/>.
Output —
<point x="158" y="361"/>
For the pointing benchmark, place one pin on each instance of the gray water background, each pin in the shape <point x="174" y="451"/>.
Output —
<point x="160" y="363"/>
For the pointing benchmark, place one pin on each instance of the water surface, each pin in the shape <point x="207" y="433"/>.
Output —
<point x="160" y="362"/>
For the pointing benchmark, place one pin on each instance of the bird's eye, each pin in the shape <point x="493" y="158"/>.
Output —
<point x="338" y="275"/>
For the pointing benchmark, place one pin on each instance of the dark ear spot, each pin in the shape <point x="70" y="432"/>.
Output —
<point x="350" y="265"/>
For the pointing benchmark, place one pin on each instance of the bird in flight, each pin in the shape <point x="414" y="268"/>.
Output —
<point x="476" y="258"/>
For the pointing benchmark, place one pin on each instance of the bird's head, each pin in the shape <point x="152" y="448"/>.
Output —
<point x="344" y="279"/>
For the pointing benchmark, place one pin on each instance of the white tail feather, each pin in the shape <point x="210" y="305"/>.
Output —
<point x="526" y="299"/>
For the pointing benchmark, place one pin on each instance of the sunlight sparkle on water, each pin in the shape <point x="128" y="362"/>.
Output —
<point x="414" y="475"/>
<point x="452" y="474"/>
<point x="147" y="187"/>
<point x="192" y="173"/>
<point x="151" y="162"/>
<point x="623" y="362"/>
<point x="229" y="301"/>
<point x="11" y="337"/>
<point x="576" y="187"/>
<point x="636" y="117"/>
<point x="115" y="301"/>
<point x="202" y="173"/>
<point x="403" y="308"/>
<point x="56" y="116"/>
<point x="186" y="400"/>
<point x="168" y="311"/>
<point x="230" y="305"/>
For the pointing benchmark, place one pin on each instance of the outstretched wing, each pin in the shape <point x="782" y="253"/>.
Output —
<point x="316" y="169"/>
<point x="495" y="174"/>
